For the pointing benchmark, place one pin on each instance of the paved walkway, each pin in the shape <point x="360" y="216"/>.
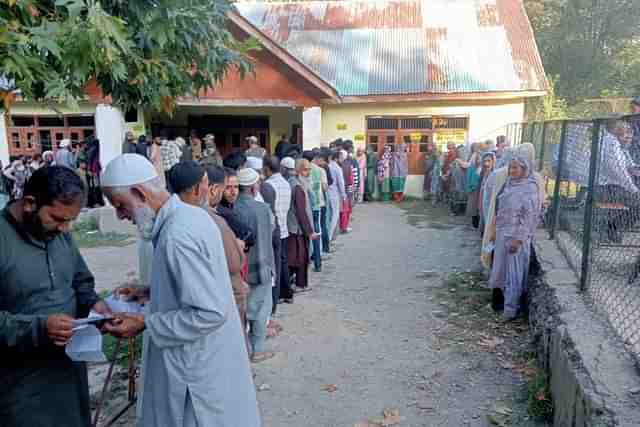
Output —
<point x="366" y="338"/>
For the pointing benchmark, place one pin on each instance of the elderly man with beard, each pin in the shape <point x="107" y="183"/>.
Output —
<point x="196" y="366"/>
<point x="261" y="271"/>
<point x="44" y="285"/>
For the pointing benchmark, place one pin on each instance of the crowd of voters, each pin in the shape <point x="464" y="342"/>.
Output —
<point x="223" y="242"/>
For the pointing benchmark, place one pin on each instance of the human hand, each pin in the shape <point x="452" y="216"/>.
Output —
<point x="315" y="236"/>
<point x="514" y="246"/>
<point x="101" y="307"/>
<point x="60" y="328"/>
<point x="126" y="325"/>
<point x="133" y="293"/>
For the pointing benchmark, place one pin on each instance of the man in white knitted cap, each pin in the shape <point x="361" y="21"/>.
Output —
<point x="64" y="156"/>
<point x="196" y="366"/>
<point x="257" y="215"/>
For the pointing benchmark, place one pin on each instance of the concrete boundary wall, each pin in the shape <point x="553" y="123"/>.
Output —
<point x="594" y="382"/>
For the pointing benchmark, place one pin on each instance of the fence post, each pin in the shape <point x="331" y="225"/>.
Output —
<point x="542" y="144"/>
<point x="532" y="133"/>
<point x="556" y="189"/>
<point x="588" y="211"/>
<point x="522" y="132"/>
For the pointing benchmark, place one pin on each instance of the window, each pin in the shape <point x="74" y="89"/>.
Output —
<point x="382" y="123"/>
<point x="131" y="115"/>
<point x="51" y="122"/>
<point x="29" y="140"/>
<point x="235" y="140"/>
<point x="416" y="123"/>
<point x="373" y="142"/>
<point x="15" y="139"/>
<point x="22" y="121"/>
<point x="82" y="121"/>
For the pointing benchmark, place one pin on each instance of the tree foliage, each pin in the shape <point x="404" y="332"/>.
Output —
<point x="591" y="45"/>
<point x="138" y="52"/>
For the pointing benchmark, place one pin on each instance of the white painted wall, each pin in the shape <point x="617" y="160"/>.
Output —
<point x="311" y="128"/>
<point x="110" y="130"/>
<point x="4" y="143"/>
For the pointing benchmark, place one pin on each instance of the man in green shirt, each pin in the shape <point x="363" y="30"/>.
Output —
<point x="44" y="285"/>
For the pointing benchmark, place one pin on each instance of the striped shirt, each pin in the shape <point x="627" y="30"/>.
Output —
<point x="283" y="201"/>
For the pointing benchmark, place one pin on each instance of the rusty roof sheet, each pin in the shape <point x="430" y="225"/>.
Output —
<point x="381" y="47"/>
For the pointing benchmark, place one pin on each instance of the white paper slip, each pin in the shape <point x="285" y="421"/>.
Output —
<point x="92" y="318"/>
<point x="119" y="306"/>
<point x="85" y="345"/>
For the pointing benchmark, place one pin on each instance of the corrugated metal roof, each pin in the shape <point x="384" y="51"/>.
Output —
<point x="407" y="47"/>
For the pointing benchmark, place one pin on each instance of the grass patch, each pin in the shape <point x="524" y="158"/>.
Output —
<point x="87" y="235"/>
<point x="109" y="345"/>
<point x="539" y="403"/>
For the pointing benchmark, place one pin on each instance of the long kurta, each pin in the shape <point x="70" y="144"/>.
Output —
<point x="384" y="174"/>
<point x="399" y="169"/>
<point x="40" y="385"/>
<point x="372" y="164"/>
<point x="197" y="370"/>
<point x="517" y="215"/>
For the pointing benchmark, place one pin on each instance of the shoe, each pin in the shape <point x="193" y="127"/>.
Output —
<point x="286" y="300"/>
<point x="497" y="300"/>
<point x="262" y="356"/>
<point x="317" y="269"/>
<point x="302" y="290"/>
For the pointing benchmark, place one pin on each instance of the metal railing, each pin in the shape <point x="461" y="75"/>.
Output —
<point x="591" y="170"/>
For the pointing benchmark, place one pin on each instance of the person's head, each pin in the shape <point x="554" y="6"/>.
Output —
<point x="360" y="152"/>
<point x="308" y="155"/>
<point x="342" y="156"/>
<point x="235" y="160"/>
<point x="65" y="144"/>
<point x="303" y="167"/>
<point x="288" y="166"/>
<point x="451" y="146"/>
<point x="82" y="165"/>
<point x="129" y="136"/>
<point x="252" y="141"/>
<point x="190" y="182"/>
<point x="142" y="139"/>
<point x="319" y="157"/>
<point x="47" y="157"/>
<point x="37" y="158"/>
<point x="270" y="166"/>
<point x="194" y="133"/>
<point x="488" y="161"/>
<point x="217" y="176"/>
<point x="621" y="129"/>
<point x="248" y="181"/>
<point x="501" y="144"/>
<point x="231" y="186"/>
<point x="181" y="142"/>
<point x="518" y="167"/>
<point x="157" y="140"/>
<point x="51" y="201"/>
<point x="133" y="188"/>
<point x="635" y="105"/>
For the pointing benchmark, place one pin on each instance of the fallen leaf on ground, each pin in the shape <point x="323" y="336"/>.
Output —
<point x="329" y="388"/>
<point x="491" y="343"/>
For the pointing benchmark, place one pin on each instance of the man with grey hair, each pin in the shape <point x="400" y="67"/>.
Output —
<point x="254" y="150"/>
<point x="64" y="156"/>
<point x="196" y="366"/>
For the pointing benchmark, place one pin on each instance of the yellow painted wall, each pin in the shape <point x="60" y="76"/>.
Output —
<point x="280" y="118"/>
<point x="486" y="118"/>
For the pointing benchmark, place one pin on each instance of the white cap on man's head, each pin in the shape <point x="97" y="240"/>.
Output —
<point x="128" y="169"/>
<point x="65" y="143"/>
<point x="254" y="163"/>
<point x="288" y="163"/>
<point x="247" y="177"/>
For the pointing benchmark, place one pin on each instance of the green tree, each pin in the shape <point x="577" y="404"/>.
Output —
<point x="138" y="52"/>
<point x="582" y="42"/>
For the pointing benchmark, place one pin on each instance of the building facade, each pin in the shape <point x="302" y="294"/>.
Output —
<point x="374" y="72"/>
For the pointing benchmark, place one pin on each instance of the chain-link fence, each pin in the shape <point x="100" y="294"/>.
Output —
<point x="591" y="169"/>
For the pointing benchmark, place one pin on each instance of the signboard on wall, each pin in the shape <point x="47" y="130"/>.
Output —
<point x="442" y="136"/>
<point x="358" y="137"/>
<point x="341" y="126"/>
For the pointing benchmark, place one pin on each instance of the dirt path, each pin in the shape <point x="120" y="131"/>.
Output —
<point x="379" y="331"/>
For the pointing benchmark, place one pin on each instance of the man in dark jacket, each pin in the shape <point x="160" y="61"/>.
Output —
<point x="44" y="285"/>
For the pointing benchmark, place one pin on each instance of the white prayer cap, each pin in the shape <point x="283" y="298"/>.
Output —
<point x="65" y="143"/>
<point x="288" y="163"/>
<point x="254" y="162"/>
<point x="128" y="169"/>
<point x="247" y="177"/>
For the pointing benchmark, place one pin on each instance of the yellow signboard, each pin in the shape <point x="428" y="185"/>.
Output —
<point x="358" y="137"/>
<point x="341" y="126"/>
<point x="415" y="137"/>
<point x="443" y="136"/>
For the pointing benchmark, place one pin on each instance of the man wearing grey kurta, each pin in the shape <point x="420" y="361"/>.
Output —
<point x="259" y="218"/>
<point x="44" y="285"/>
<point x="197" y="370"/>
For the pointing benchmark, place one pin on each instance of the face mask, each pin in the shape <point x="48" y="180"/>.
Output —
<point x="145" y="219"/>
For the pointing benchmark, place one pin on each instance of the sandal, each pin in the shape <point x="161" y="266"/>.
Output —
<point x="262" y="356"/>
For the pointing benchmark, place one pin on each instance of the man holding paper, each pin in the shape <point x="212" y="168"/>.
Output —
<point x="44" y="285"/>
<point x="196" y="365"/>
